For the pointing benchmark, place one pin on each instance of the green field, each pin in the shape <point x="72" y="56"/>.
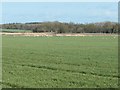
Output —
<point x="63" y="62"/>
<point x="15" y="31"/>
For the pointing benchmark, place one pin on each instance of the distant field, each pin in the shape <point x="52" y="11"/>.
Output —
<point x="74" y="62"/>
<point x="15" y="31"/>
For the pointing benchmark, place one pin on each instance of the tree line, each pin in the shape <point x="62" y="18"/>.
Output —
<point x="59" y="27"/>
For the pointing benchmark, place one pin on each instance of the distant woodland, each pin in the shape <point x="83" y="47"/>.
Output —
<point x="59" y="27"/>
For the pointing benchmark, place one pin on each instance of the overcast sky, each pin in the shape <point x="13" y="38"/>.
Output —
<point x="86" y="12"/>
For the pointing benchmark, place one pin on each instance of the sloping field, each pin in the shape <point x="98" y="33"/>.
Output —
<point x="15" y="31"/>
<point x="38" y="62"/>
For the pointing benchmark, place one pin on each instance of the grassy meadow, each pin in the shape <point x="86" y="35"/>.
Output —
<point x="60" y="62"/>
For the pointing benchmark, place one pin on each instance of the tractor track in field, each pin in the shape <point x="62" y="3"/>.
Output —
<point x="72" y="71"/>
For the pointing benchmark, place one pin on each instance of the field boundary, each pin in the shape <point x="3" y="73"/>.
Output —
<point x="52" y="34"/>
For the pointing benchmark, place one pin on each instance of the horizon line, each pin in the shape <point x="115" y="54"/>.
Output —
<point x="59" y="22"/>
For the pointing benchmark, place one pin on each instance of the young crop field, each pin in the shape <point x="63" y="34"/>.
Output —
<point x="15" y="31"/>
<point x="60" y="62"/>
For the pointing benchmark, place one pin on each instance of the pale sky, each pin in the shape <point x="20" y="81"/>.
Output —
<point x="78" y="12"/>
<point x="60" y="0"/>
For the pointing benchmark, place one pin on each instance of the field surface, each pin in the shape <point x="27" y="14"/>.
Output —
<point x="15" y="31"/>
<point x="63" y="62"/>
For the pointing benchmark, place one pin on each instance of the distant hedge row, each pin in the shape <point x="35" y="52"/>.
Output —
<point x="58" y="27"/>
